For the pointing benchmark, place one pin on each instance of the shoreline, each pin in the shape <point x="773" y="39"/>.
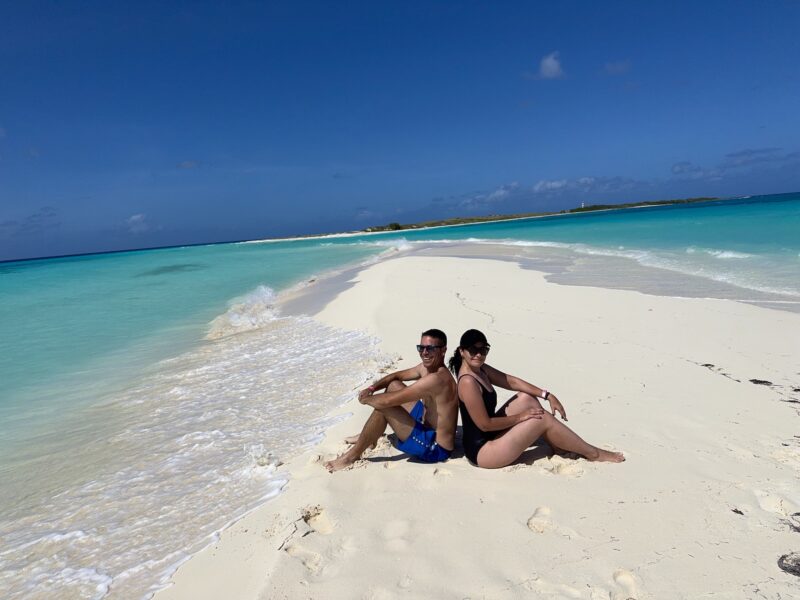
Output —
<point x="246" y="550"/>
<point x="411" y="226"/>
<point x="309" y="296"/>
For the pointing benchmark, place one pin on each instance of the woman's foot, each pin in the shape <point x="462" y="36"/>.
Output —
<point x="601" y="455"/>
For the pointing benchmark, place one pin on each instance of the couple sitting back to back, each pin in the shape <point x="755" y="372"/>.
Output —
<point x="424" y="415"/>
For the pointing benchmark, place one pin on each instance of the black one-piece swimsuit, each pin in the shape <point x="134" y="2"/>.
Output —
<point x="472" y="436"/>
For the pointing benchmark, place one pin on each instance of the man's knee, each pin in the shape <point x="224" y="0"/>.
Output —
<point x="395" y="386"/>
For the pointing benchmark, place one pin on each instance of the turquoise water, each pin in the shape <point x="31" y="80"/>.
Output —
<point x="135" y="381"/>
<point x="753" y="243"/>
<point x="60" y="315"/>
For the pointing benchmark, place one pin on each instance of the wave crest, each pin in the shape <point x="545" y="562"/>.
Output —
<point x="245" y="313"/>
<point x="718" y="253"/>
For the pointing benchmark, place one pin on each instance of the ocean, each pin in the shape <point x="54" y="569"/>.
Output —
<point x="148" y="397"/>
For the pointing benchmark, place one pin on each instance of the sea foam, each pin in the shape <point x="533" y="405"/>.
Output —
<point x="206" y="428"/>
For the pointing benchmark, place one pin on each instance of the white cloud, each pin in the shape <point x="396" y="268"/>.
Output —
<point x="684" y="167"/>
<point x="43" y="220"/>
<point x="550" y="185"/>
<point x="585" y="185"/>
<point x="480" y="200"/>
<point x="485" y="199"/>
<point x="188" y="164"/>
<point x="742" y="161"/>
<point x="550" y="67"/>
<point x="138" y="223"/>
<point x="750" y="156"/>
<point x="617" y="68"/>
<point x="502" y="192"/>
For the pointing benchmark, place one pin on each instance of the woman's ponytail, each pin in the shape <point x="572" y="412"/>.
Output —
<point x="455" y="361"/>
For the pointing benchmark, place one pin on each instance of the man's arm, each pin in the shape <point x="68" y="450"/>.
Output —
<point x="411" y="374"/>
<point x="426" y="386"/>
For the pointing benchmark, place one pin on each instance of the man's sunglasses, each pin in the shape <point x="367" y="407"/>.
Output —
<point x="430" y="348"/>
<point x="473" y="350"/>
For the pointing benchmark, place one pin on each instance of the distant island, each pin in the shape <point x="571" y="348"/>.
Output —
<point x="483" y="219"/>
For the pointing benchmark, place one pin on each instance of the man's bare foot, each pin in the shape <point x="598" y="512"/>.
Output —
<point x="342" y="462"/>
<point x="606" y="456"/>
<point x="352" y="439"/>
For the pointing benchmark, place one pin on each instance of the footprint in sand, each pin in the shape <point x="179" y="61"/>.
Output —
<point x="310" y="559"/>
<point x="540" y="522"/>
<point x="558" y="465"/>
<point x="317" y="519"/>
<point x="428" y="479"/>
<point x="550" y="589"/>
<point x="313" y="519"/>
<point x="394" y="533"/>
<point x="377" y="593"/>
<point x="774" y="503"/>
<point x="788" y="453"/>
<point x="626" y="584"/>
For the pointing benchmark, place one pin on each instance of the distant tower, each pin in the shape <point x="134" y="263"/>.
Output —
<point x="583" y="205"/>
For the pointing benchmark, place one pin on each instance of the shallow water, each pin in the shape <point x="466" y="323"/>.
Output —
<point x="154" y="471"/>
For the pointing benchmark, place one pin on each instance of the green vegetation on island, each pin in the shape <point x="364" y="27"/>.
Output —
<point x="467" y="220"/>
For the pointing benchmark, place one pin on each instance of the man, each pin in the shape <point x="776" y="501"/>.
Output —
<point x="422" y="415"/>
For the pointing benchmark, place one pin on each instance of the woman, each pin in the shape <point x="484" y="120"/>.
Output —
<point x="494" y="439"/>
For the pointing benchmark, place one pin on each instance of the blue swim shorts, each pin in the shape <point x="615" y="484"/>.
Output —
<point x="422" y="441"/>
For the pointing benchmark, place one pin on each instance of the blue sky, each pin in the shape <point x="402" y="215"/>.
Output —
<point x="142" y="124"/>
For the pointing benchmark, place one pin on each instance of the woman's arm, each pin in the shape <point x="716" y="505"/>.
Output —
<point x="469" y="391"/>
<point x="516" y="384"/>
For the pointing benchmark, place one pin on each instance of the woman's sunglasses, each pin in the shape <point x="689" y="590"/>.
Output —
<point x="473" y="350"/>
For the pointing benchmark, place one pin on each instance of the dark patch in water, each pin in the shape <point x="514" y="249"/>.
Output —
<point x="760" y="382"/>
<point x="170" y="269"/>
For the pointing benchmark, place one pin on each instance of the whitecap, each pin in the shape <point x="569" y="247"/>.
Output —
<point x="245" y="313"/>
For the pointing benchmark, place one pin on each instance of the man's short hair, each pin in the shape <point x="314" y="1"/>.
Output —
<point x="436" y="333"/>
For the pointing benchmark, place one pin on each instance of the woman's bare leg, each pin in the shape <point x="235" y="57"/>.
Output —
<point x="520" y="402"/>
<point x="505" y="449"/>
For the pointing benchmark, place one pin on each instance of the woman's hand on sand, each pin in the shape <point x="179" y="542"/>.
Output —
<point x="556" y="406"/>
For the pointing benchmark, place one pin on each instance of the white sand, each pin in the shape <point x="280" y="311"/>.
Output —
<point x="701" y="508"/>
